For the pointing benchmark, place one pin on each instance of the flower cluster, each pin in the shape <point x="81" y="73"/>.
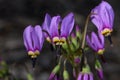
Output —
<point x="69" y="42"/>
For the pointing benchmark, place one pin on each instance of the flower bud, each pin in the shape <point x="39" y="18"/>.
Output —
<point x="85" y="74"/>
<point x="78" y="33"/>
<point x="65" y="75"/>
<point x="99" y="70"/>
<point x="54" y="71"/>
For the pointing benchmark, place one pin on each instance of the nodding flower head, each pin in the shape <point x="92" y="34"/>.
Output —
<point x="99" y="69"/>
<point x="33" y="40"/>
<point x="53" y="75"/>
<point x="57" y="33"/>
<point x="85" y="74"/>
<point x="103" y="18"/>
<point x="96" y="42"/>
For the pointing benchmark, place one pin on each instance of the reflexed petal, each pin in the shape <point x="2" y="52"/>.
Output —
<point x="57" y="78"/>
<point x="96" y="19"/>
<point x="80" y="76"/>
<point x="67" y="25"/>
<point x="85" y="76"/>
<point x="46" y="24"/>
<point x="90" y="43"/>
<point x="54" y="26"/>
<point x="28" y="38"/>
<point x="35" y="41"/>
<point x="106" y="13"/>
<point x="100" y="73"/>
<point x="91" y="76"/>
<point x="101" y="39"/>
<point x="104" y="17"/>
<point x="39" y="35"/>
<point x="52" y="76"/>
<point x="96" y="40"/>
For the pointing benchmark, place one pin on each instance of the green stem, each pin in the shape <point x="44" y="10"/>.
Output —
<point x="69" y="49"/>
<point x="65" y="64"/>
<point x="83" y="59"/>
<point x="85" y="30"/>
<point x="60" y="59"/>
<point x="70" y="55"/>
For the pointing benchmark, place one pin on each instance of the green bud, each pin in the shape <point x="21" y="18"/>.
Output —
<point x="86" y="69"/>
<point x="78" y="33"/>
<point x="56" y="69"/>
<point x="97" y="64"/>
<point x="74" y="46"/>
<point x="29" y="77"/>
<point x="65" y="75"/>
<point x="3" y="69"/>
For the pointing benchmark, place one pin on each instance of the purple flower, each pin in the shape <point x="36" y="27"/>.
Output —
<point x="85" y="76"/>
<point x="58" y="32"/>
<point x="96" y="42"/>
<point x="46" y="26"/>
<point x="33" y="40"/>
<point x="100" y="73"/>
<point x="77" y="60"/>
<point x="99" y="70"/>
<point x="103" y="18"/>
<point x="57" y="78"/>
<point x="53" y="75"/>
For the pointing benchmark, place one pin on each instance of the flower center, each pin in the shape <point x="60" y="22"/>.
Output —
<point x="100" y="51"/>
<point x="106" y="32"/>
<point x="33" y="54"/>
<point x="59" y="41"/>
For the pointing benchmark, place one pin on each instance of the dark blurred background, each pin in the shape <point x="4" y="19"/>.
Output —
<point x="15" y="15"/>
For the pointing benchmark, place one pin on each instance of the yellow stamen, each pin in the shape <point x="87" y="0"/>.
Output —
<point x="100" y="51"/>
<point x="48" y="39"/>
<point x="33" y="54"/>
<point x="56" y="39"/>
<point x="106" y="32"/>
<point x="59" y="41"/>
<point x="30" y="53"/>
<point x="63" y="39"/>
<point x="37" y="52"/>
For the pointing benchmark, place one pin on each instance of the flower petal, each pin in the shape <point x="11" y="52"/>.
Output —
<point x="46" y="24"/>
<point x="80" y="76"/>
<point x="96" y="19"/>
<point x="90" y="43"/>
<point x="35" y="40"/>
<point x="52" y="76"/>
<point x="100" y="74"/>
<point x="90" y="76"/>
<point x="27" y="37"/>
<point x="96" y="41"/>
<point x="104" y="16"/>
<point x="106" y="13"/>
<point x="54" y="26"/>
<point x="85" y="76"/>
<point x="101" y="38"/>
<point x="39" y="35"/>
<point x="67" y="25"/>
<point x="57" y="77"/>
